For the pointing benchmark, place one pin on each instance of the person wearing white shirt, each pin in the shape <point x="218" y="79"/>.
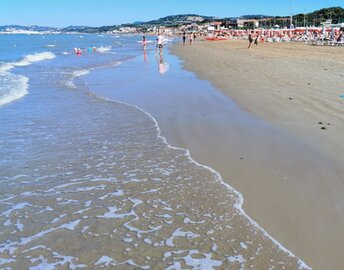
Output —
<point x="160" y="43"/>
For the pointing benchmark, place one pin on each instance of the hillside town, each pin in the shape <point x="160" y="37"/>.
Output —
<point x="327" y="17"/>
<point x="325" y="26"/>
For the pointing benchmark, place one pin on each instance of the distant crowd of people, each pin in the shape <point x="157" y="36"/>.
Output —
<point x="191" y="37"/>
<point x="254" y="37"/>
<point x="331" y="36"/>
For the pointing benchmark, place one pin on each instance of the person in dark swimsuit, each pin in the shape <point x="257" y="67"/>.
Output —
<point x="184" y="38"/>
<point x="250" y="39"/>
<point x="256" y="40"/>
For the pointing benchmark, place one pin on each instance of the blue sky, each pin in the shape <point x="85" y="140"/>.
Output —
<point x="109" y="12"/>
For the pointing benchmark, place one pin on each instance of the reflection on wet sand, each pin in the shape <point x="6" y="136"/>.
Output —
<point x="144" y="54"/>
<point x="163" y="67"/>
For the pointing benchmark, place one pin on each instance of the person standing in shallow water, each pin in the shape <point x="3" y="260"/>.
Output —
<point x="250" y="39"/>
<point x="160" y="43"/>
<point x="144" y="42"/>
<point x="184" y="38"/>
<point x="191" y="38"/>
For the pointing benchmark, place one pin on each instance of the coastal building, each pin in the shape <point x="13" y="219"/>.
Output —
<point x="215" y="25"/>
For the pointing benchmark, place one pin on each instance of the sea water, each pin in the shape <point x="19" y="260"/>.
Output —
<point x="88" y="182"/>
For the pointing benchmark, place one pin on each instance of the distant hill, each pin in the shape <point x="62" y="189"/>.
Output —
<point x="179" y="19"/>
<point x="250" y="17"/>
<point x="313" y="18"/>
<point x="27" y="28"/>
<point x="76" y="28"/>
<point x="79" y="29"/>
<point x="319" y="16"/>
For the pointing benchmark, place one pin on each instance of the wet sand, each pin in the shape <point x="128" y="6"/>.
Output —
<point x="291" y="178"/>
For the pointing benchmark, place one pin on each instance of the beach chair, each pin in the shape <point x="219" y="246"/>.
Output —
<point x="339" y="43"/>
<point x="334" y="42"/>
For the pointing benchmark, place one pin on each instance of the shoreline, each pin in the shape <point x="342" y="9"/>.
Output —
<point x="295" y="223"/>
<point x="170" y="139"/>
<point x="240" y="200"/>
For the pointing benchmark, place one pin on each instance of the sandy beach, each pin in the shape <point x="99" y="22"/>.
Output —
<point x="192" y="136"/>
<point x="291" y="178"/>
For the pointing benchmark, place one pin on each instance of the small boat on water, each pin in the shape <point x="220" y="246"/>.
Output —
<point x="216" y="38"/>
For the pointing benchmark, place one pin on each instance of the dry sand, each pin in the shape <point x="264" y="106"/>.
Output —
<point x="296" y="190"/>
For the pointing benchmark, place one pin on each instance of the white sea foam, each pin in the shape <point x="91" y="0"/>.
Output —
<point x="10" y="247"/>
<point x="243" y="245"/>
<point x="180" y="233"/>
<point x="57" y="219"/>
<point x="203" y="263"/>
<point x="147" y="41"/>
<point x="12" y="86"/>
<point x="44" y="264"/>
<point x="240" y="200"/>
<point x="238" y="259"/>
<point x="104" y="49"/>
<point x="76" y="74"/>
<point x="106" y="261"/>
<point x="82" y="72"/>
<point x="33" y="58"/>
<point x="6" y="261"/>
<point x="18" y="206"/>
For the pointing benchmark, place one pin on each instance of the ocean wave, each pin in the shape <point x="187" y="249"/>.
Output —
<point x="147" y="41"/>
<point x="33" y="58"/>
<point x="75" y="74"/>
<point x="13" y="87"/>
<point x="103" y="49"/>
<point x="82" y="72"/>
<point x="27" y="60"/>
<point x="5" y="67"/>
